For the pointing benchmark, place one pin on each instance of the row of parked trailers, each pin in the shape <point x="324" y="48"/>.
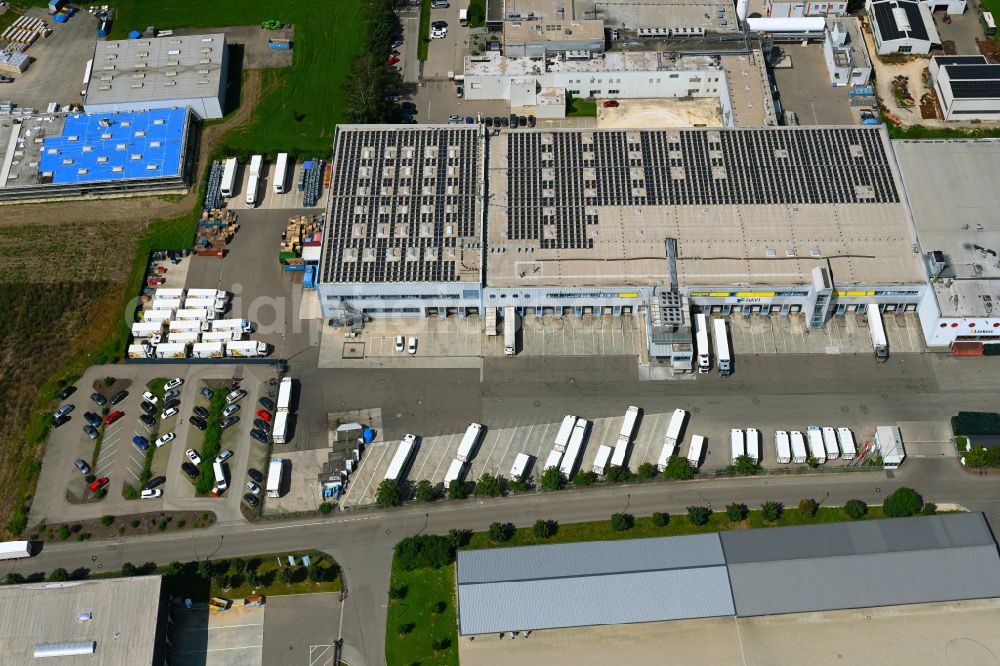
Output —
<point x="820" y="443"/>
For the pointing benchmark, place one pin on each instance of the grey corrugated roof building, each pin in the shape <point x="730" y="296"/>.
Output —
<point x="745" y="573"/>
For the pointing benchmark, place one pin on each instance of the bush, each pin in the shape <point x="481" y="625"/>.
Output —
<point x="134" y="523"/>
<point x="316" y="573"/>
<point x="518" y="485"/>
<point x="439" y="607"/>
<point x="930" y="508"/>
<point x="813" y="463"/>
<point x="204" y="569"/>
<point x="129" y="569"/>
<point x="325" y="507"/>
<point x="771" y="510"/>
<point x="107" y="520"/>
<point x="63" y="532"/>
<point x="661" y="519"/>
<point x="424" y="551"/>
<point x="584" y="479"/>
<point x="699" y="515"/>
<point x="489" y="486"/>
<point x="903" y="502"/>
<point x="678" y="469"/>
<point x="59" y="575"/>
<point x="286" y="575"/>
<point x="744" y="466"/>
<point x="553" y="479"/>
<point x="617" y="474"/>
<point x="406" y="628"/>
<point x="622" y="521"/>
<point x="396" y="593"/>
<point x="252" y="578"/>
<point x="173" y="569"/>
<point x="856" y="509"/>
<point x="14" y="578"/>
<point x="646" y="471"/>
<point x="237" y="566"/>
<point x="459" y="538"/>
<point x="737" y="512"/>
<point x="501" y="532"/>
<point x="101" y="493"/>
<point x="808" y="508"/>
<point x="440" y="644"/>
<point x="388" y="493"/>
<point x="456" y="490"/>
<point x="424" y="491"/>
<point x="543" y="529"/>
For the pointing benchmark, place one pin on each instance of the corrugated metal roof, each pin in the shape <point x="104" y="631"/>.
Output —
<point x="588" y="559"/>
<point x="650" y="596"/>
<point x="862" y="581"/>
<point x="856" y="538"/>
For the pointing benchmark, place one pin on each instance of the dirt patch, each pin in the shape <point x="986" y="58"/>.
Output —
<point x="661" y="113"/>
<point x="131" y="524"/>
<point x="928" y="106"/>
<point x="990" y="49"/>
<point x="948" y="46"/>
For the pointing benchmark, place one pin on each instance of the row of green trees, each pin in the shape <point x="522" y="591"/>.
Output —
<point x="372" y="80"/>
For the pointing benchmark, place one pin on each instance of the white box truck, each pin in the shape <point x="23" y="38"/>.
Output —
<point x="279" y="432"/>
<point x="246" y="348"/>
<point x="753" y="444"/>
<point x="208" y="293"/>
<point x="782" y="448"/>
<point x="467" y="447"/>
<point x="164" y="304"/>
<point x="696" y="450"/>
<point x="830" y="443"/>
<point x="601" y="460"/>
<point x="253" y="183"/>
<point x="146" y="329"/>
<point x="672" y="437"/>
<point x="208" y="350"/>
<point x="184" y="336"/>
<point x="140" y="351"/>
<point x="817" y="450"/>
<point x="188" y="325"/>
<point x="555" y="456"/>
<point x="284" y="394"/>
<point x="157" y="315"/>
<point x="221" y="336"/>
<point x="573" y="449"/>
<point x="722" y="356"/>
<point x="701" y="341"/>
<point x="520" y="465"/>
<point x="280" y="173"/>
<point x="456" y="472"/>
<point x="15" y="550"/>
<point x="172" y="350"/>
<point x="401" y="459"/>
<point x="228" y="184"/>
<point x="565" y="431"/>
<point x="846" y="437"/>
<point x="880" y="345"/>
<point x="256" y="162"/>
<point x="193" y="314"/>
<point x="509" y="331"/>
<point x="168" y="292"/>
<point x="737" y="444"/>
<point x="799" y="452"/>
<point x="274" y="471"/>
<point x="241" y="325"/>
<point x="216" y="304"/>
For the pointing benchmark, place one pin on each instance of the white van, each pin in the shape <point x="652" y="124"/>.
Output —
<point x="220" y="477"/>
<point x="235" y="396"/>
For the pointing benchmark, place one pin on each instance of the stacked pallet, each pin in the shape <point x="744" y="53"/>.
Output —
<point x="24" y="31"/>
<point x="216" y="229"/>
<point x="13" y="64"/>
<point x="301" y="231"/>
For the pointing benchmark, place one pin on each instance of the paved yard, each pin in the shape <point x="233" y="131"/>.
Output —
<point x="200" y="637"/>
<point x="300" y="629"/>
<point x="806" y="89"/>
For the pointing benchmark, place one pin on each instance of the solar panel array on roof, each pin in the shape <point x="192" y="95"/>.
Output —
<point x="917" y="28"/>
<point x="556" y="181"/>
<point x="975" y="89"/>
<point x="403" y="203"/>
<point x="886" y="22"/>
<point x="963" y="72"/>
<point x="961" y="60"/>
<point x="116" y="146"/>
<point x="888" y="27"/>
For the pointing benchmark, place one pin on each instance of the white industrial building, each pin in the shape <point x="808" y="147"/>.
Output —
<point x="631" y="15"/>
<point x="846" y="53"/>
<point x="535" y="39"/>
<point x="902" y="26"/>
<point x="967" y="87"/>
<point x="158" y="73"/>
<point x="950" y="7"/>
<point x="797" y="8"/>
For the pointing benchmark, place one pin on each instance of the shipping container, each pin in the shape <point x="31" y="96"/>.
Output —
<point x="782" y="448"/>
<point x="519" y="467"/>
<point x="467" y="447"/>
<point x="799" y="452"/>
<point x="565" y="430"/>
<point x="280" y="173"/>
<point x="847" y="445"/>
<point x="830" y="443"/>
<point x="401" y="460"/>
<point x="817" y="451"/>
<point x="753" y="444"/>
<point x="696" y="450"/>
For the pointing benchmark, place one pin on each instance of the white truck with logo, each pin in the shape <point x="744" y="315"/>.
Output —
<point x="246" y="349"/>
<point x="147" y="329"/>
<point x="221" y="336"/>
<point x="208" y="350"/>
<point x="184" y="336"/>
<point x="172" y="350"/>
<point x="213" y="304"/>
<point x="195" y="314"/>
<point x="188" y="325"/>
<point x="157" y="315"/>
<point x="241" y="325"/>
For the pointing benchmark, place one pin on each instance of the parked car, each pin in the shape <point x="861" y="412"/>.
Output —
<point x="147" y="407"/>
<point x="399" y="343"/>
<point x="150" y="397"/>
<point x="230" y="410"/>
<point x="82" y="465"/>
<point x="459" y="91"/>
<point x="497" y="120"/>
<point x="118" y="397"/>
<point x="99" y="399"/>
<point x="99" y="483"/>
<point x="92" y="418"/>
<point x="253" y="487"/>
<point x="140" y="442"/>
<point x="409" y="106"/>
<point x="411" y="345"/>
<point x="267" y="403"/>
<point x="200" y="411"/>
<point x="207" y="392"/>
<point x="235" y="396"/>
<point x="190" y="470"/>
<point x="255" y="475"/>
<point x="63" y="411"/>
<point x="260" y="425"/>
<point x="522" y="121"/>
<point x="440" y="25"/>
<point x="395" y="54"/>
<point x="454" y="118"/>
<point x="155" y="481"/>
<point x="396" y="44"/>
<point x="264" y="414"/>
<point x="167" y="413"/>
<point x="504" y="121"/>
<point x="90" y="431"/>
<point x="173" y="383"/>
<point x="439" y="34"/>
<point x="531" y="121"/>
<point x="151" y="494"/>
<point x="259" y="435"/>
<point x="232" y="420"/>
<point x="165" y="439"/>
<point x="393" y="60"/>
<point x="198" y="422"/>
<point x="251" y="500"/>
<point x="488" y="120"/>
<point x="147" y="420"/>
<point x="172" y="403"/>
<point x="224" y="456"/>
<point x="193" y="456"/>
<point x="171" y="394"/>
<point x="610" y="104"/>
<point x="66" y="392"/>
<point x="112" y="417"/>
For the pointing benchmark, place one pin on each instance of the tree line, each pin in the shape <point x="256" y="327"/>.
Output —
<point x="372" y="80"/>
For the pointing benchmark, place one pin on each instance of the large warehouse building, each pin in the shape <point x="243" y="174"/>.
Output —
<point x="161" y="73"/>
<point x="746" y="573"/>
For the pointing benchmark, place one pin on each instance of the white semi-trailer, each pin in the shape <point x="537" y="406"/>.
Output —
<point x="799" y="452"/>
<point x="737" y="444"/>
<point x="280" y="173"/>
<point x="509" y="331"/>
<point x="782" y="448"/>
<point x="722" y="354"/>
<point x="830" y="443"/>
<point x="847" y="445"/>
<point x="601" y="460"/>
<point x="672" y="437"/>
<point x="701" y="341"/>
<point x="520" y="465"/>
<point x="696" y="450"/>
<point x="573" y="449"/>
<point x="228" y="184"/>
<point x="555" y="456"/>
<point x="817" y="450"/>
<point x="456" y="472"/>
<point x="15" y="550"/>
<point x="274" y="472"/>
<point x="565" y="431"/>
<point x="628" y="426"/>
<point x="880" y="345"/>
<point x="467" y="447"/>
<point x="401" y="460"/>
<point x="279" y="432"/>
<point x="753" y="444"/>
<point x="284" y="394"/>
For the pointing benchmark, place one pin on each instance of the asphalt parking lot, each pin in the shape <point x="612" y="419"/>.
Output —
<point x="233" y="637"/>
<point x="267" y="198"/>
<point x="843" y="334"/>
<point x="301" y="629"/>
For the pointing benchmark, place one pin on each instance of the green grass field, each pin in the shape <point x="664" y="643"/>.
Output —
<point x="580" y="108"/>
<point x="425" y="589"/>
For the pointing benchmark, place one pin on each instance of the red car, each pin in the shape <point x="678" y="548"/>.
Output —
<point x="100" y="483"/>
<point x="264" y="414"/>
<point x="610" y="104"/>
<point x="393" y="60"/>
<point x="112" y="417"/>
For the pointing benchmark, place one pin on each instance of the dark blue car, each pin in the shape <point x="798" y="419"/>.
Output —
<point x="141" y="442"/>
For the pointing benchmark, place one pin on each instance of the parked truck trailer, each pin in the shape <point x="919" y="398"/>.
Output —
<point x="701" y="341"/>
<point x="168" y="292"/>
<point x="672" y="437"/>
<point x="188" y="325"/>
<point x="467" y="447"/>
<point x="573" y="449"/>
<point x="509" y="331"/>
<point x="145" y="329"/>
<point x="519" y="467"/>
<point x="215" y="304"/>
<point x="753" y="444"/>
<point x="696" y="451"/>
<point x="722" y="354"/>
<point x="401" y="459"/>
<point x="782" y="448"/>
<point x="456" y="472"/>
<point x="241" y="325"/>
<point x="280" y="173"/>
<point x="15" y="550"/>
<point x="274" y="471"/>
<point x="817" y="450"/>
<point x="208" y="293"/>
<point x="846" y="438"/>
<point x="880" y="345"/>
<point x="830" y="443"/>
<point x="737" y="445"/>
<point x="565" y="431"/>
<point x="279" y="432"/>
<point x="555" y="457"/>
<point x="228" y="184"/>
<point x="602" y="458"/>
<point x="284" y="394"/>
<point x="799" y="452"/>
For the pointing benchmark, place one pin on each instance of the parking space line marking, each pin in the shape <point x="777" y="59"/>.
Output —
<point x="425" y="458"/>
<point x="385" y="449"/>
<point x="497" y="441"/>
<point x="527" y="438"/>
<point x="442" y="458"/>
<point x="649" y="440"/>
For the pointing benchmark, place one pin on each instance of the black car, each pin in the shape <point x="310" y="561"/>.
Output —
<point x="497" y="120"/>
<point x="99" y="399"/>
<point x="147" y="420"/>
<point x="522" y="121"/>
<point x="198" y="422"/>
<point x="82" y="466"/>
<point x="147" y="407"/>
<point x="232" y="420"/>
<point x="251" y="500"/>
<point x="513" y="121"/>
<point x="155" y="481"/>
<point x="59" y="420"/>
<point x="255" y="475"/>
<point x="91" y="431"/>
<point x="267" y="403"/>
<point x="67" y="392"/>
<point x="207" y="392"/>
<point x="504" y="121"/>
<point x="201" y="411"/>
<point x="171" y="403"/>
<point x="261" y="425"/>
<point x="439" y="24"/>
<point x="93" y="419"/>
<point x="489" y="121"/>
<point x="190" y="470"/>
<point x="118" y="397"/>
<point x="531" y="121"/>
<point x="259" y="435"/>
